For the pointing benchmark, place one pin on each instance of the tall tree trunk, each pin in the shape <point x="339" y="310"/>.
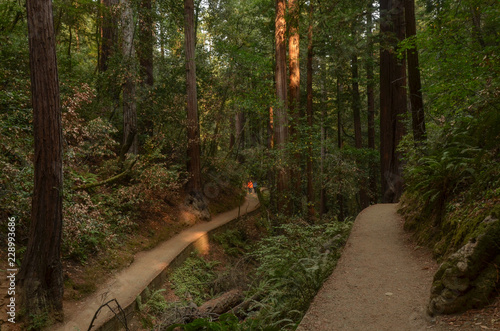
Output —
<point x="356" y="110"/>
<point x="323" y="209"/>
<point x="415" y="87"/>
<point x="370" y="95"/>
<point x="146" y="42"/>
<point x="356" y="102"/>
<point x="41" y="277"/>
<point x="193" y="127"/>
<point x="129" y="86"/>
<point x="392" y="98"/>
<point x="310" y="188"/>
<point x="281" y="116"/>
<point x="340" y="144"/>
<point x="294" y="91"/>
<point x="109" y="32"/>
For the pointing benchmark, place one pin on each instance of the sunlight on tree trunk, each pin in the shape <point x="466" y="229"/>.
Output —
<point x="294" y="93"/>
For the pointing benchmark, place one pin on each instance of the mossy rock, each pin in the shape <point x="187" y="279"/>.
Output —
<point x="468" y="278"/>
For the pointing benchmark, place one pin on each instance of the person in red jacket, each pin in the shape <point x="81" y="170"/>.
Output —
<point x="250" y="186"/>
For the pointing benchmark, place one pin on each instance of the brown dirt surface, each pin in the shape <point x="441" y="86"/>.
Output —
<point x="125" y="285"/>
<point x="381" y="282"/>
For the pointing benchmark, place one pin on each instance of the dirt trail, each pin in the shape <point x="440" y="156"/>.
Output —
<point x="381" y="282"/>
<point x="128" y="283"/>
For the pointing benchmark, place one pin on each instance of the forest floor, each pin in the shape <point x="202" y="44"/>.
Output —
<point x="382" y="282"/>
<point x="149" y="238"/>
<point x="128" y="283"/>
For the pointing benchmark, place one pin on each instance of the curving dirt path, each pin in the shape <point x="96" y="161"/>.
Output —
<point x="147" y="267"/>
<point x="381" y="282"/>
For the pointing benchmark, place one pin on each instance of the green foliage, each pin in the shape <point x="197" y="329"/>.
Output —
<point x="155" y="304"/>
<point x="452" y="185"/>
<point x="225" y="322"/>
<point x="233" y="242"/>
<point x="39" y="321"/>
<point x="459" y="61"/>
<point x="194" y="279"/>
<point x="292" y="267"/>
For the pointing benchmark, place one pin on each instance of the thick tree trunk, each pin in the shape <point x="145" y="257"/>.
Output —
<point x="294" y="92"/>
<point x="111" y="88"/>
<point x="415" y="87"/>
<point x="392" y="99"/>
<point x="109" y="32"/>
<point x="129" y="86"/>
<point x="281" y="116"/>
<point x="146" y="41"/>
<point x="310" y="188"/>
<point x="41" y="277"/>
<point x="193" y="127"/>
<point x="370" y="94"/>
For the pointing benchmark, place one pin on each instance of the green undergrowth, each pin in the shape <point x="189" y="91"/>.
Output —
<point x="284" y="269"/>
<point x="461" y="222"/>
<point x="194" y="278"/>
<point x="453" y="184"/>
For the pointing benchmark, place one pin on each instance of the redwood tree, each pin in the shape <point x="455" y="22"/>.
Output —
<point x="370" y="100"/>
<point x="41" y="276"/>
<point x="392" y="98"/>
<point x="146" y="42"/>
<point x="129" y="86"/>
<point x="193" y="127"/>
<point x="280" y="113"/>
<point x="109" y="32"/>
<point x="356" y="109"/>
<point x="309" y="88"/>
<point x="294" y="89"/>
<point x="414" y="84"/>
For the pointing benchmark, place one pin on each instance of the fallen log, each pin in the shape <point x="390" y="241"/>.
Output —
<point x="106" y="181"/>
<point x="210" y="309"/>
<point x="222" y="304"/>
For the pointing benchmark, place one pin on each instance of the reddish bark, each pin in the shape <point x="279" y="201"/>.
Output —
<point x="193" y="127"/>
<point x="392" y="98"/>
<point x="280" y="114"/>
<point x="41" y="276"/>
